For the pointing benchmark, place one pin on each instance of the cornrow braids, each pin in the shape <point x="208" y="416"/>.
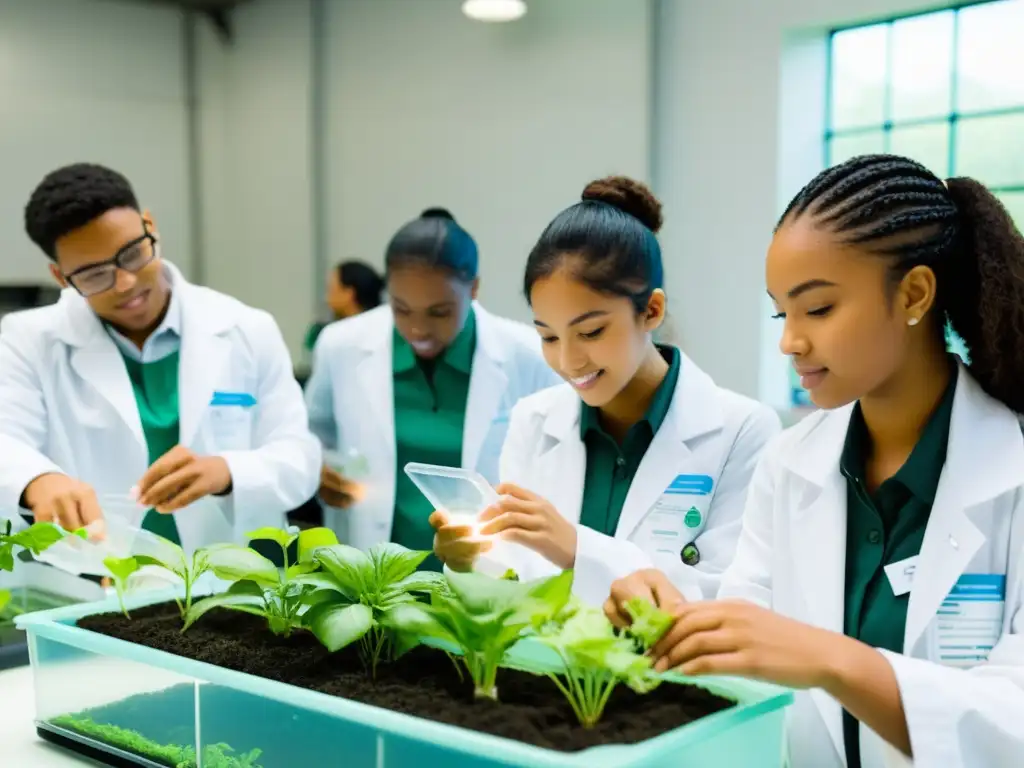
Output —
<point x="896" y="208"/>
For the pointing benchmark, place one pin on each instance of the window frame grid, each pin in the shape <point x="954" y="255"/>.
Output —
<point x="951" y="118"/>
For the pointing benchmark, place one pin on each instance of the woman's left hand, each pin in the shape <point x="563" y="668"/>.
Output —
<point x="733" y="637"/>
<point x="527" y="519"/>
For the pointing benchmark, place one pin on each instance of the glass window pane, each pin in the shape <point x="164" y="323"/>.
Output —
<point x="991" y="149"/>
<point x="928" y="144"/>
<point x="1014" y="202"/>
<point x="858" y="76"/>
<point x="922" y="66"/>
<point x="842" y="148"/>
<point x="991" y="56"/>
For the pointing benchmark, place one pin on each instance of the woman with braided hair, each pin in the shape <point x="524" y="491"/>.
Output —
<point x="881" y="562"/>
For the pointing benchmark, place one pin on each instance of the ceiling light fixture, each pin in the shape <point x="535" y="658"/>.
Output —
<point x="494" y="10"/>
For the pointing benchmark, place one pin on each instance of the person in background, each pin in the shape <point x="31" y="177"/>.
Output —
<point x="429" y="377"/>
<point x="639" y="458"/>
<point x="881" y="565"/>
<point x="138" y="383"/>
<point x="353" y="287"/>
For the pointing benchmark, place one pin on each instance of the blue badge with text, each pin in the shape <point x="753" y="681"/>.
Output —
<point x="691" y="485"/>
<point x="238" y="399"/>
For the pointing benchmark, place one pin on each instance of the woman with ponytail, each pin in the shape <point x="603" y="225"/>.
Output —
<point x="429" y="377"/>
<point x="881" y="563"/>
<point x="639" y="459"/>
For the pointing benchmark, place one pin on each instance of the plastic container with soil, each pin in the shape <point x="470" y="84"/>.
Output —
<point x="140" y="692"/>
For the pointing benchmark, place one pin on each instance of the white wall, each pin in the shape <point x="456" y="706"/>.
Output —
<point x="254" y="153"/>
<point x="503" y="124"/>
<point x="739" y="82"/>
<point x="98" y="81"/>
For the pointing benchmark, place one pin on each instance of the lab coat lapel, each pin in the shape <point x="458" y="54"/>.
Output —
<point x="204" y="353"/>
<point x="376" y="382"/>
<point x="817" y="538"/>
<point x="96" y="359"/>
<point x="487" y="385"/>
<point x="692" y="414"/>
<point x="562" y="459"/>
<point x="980" y="428"/>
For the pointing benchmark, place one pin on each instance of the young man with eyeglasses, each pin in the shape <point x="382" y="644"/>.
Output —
<point x="140" y="384"/>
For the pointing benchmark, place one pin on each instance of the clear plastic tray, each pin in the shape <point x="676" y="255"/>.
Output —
<point x="462" y="493"/>
<point x="94" y="692"/>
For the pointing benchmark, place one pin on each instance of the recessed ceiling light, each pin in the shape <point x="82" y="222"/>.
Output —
<point x="494" y="10"/>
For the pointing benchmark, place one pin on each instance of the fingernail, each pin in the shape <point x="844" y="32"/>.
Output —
<point x="661" y="665"/>
<point x="134" y="493"/>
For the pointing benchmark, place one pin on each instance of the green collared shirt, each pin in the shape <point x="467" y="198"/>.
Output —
<point x="430" y="414"/>
<point x="611" y="466"/>
<point x="155" y="385"/>
<point x="883" y="528"/>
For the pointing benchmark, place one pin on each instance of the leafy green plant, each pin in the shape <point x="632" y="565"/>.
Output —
<point x="260" y="588"/>
<point x="36" y="538"/>
<point x="356" y="591"/>
<point x="595" y="660"/>
<point x="484" y="617"/>
<point x="120" y="570"/>
<point x="649" y="622"/>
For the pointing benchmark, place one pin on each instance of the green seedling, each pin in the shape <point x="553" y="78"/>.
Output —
<point x="649" y="623"/>
<point x="595" y="660"/>
<point x="36" y="538"/>
<point x="120" y="569"/>
<point x="261" y="589"/>
<point x="356" y="591"/>
<point x="484" y="617"/>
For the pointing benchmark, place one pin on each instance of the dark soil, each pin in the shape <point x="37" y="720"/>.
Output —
<point x="423" y="683"/>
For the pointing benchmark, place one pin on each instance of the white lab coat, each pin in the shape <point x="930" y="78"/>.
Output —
<point x="67" y="405"/>
<point x="792" y="557"/>
<point x="350" y="398"/>
<point x="702" y="457"/>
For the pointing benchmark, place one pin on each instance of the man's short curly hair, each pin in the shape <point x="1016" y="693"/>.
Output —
<point x="71" y="197"/>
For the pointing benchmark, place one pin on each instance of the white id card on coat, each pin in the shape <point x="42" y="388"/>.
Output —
<point x="676" y="519"/>
<point x="970" y="620"/>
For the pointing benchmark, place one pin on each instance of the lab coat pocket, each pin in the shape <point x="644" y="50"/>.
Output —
<point x="970" y="621"/>
<point x="670" y="527"/>
<point x="231" y="420"/>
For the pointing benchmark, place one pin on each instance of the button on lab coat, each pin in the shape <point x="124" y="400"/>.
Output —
<point x="708" y="444"/>
<point x="791" y="557"/>
<point x="350" y="396"/>
<point x="66" y="405"/>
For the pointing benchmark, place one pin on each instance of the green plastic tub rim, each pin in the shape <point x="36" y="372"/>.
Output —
<point x="58" y="624"/>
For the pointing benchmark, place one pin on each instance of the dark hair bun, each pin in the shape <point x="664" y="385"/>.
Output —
<point x="629" y="196"/>
<point x="437" y="213"/>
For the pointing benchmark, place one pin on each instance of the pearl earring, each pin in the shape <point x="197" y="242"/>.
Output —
<point x="912" y="321"/>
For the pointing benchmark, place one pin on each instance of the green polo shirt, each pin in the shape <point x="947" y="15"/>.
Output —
<point x="611" y="466"/>
<point x="883" y="528"/>
<point x="155" y="385"/>
<point x="430" y="413"/>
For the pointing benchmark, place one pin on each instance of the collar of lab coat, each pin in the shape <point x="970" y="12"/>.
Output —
<point x="980" y="427"/>
<point x="694" y="411"/>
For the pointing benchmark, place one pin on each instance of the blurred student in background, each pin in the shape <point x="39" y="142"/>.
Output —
<point x="430" y="377"/>
<point x="353" y="287"/>
<point x="137" y="379"/>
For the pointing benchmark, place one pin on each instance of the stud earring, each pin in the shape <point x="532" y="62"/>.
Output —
<point x="913" y="321"/>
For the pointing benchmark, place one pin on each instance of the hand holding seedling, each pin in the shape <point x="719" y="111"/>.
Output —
<point x="180" y="477"/>
<point x="336" y="491"/>
<point x="525" y="518"/>
<point x="72" y="504"/>
<point x="453" y="543"/>
<point x="649" y="585"/>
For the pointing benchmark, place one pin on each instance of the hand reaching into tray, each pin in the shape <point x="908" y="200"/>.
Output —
<point x="70" y="503"/>
<point x="336" y="491"/>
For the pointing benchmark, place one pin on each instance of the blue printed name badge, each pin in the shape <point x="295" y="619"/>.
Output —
<point x="690" y="485"/>
<point x="970" y="621"/>
<point x="238" y="399"/>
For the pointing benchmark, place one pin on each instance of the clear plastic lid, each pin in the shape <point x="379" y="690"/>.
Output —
<point x="459" y="492"/>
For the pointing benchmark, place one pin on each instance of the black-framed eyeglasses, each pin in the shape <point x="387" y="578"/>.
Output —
<point x="102" y="276"/>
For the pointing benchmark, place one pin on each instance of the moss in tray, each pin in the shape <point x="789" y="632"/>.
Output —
<point x="424" y="683"/>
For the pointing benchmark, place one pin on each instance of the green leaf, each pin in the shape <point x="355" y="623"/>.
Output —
<point x="393" y="562"/>
<point x="5" y="599"/>
<point x="417" y="620"/>
<point x="246" y="587"/>
<point x="121" y="567"/>
<point x="649" y="622"/>
<point x="222" y="600"/>
<point x="312" y="539"/>
<point x="402" y="643"/>
<point x="234" y="563"/>
<point x="510" y="575"/>
<point x="421" y="581"/>
<point x="299" y="569"/>
<point x="350" y="567"/>
<point x="6" y="556"/>
<point x="323" y="581"/>
<point x="337" y="625"/>
<point x="37" y="537"/>
<point x="283" y="538"/>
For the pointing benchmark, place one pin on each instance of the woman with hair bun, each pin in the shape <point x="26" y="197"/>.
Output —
<point x="429" y="377"/>
<point x="639" y="459"/>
